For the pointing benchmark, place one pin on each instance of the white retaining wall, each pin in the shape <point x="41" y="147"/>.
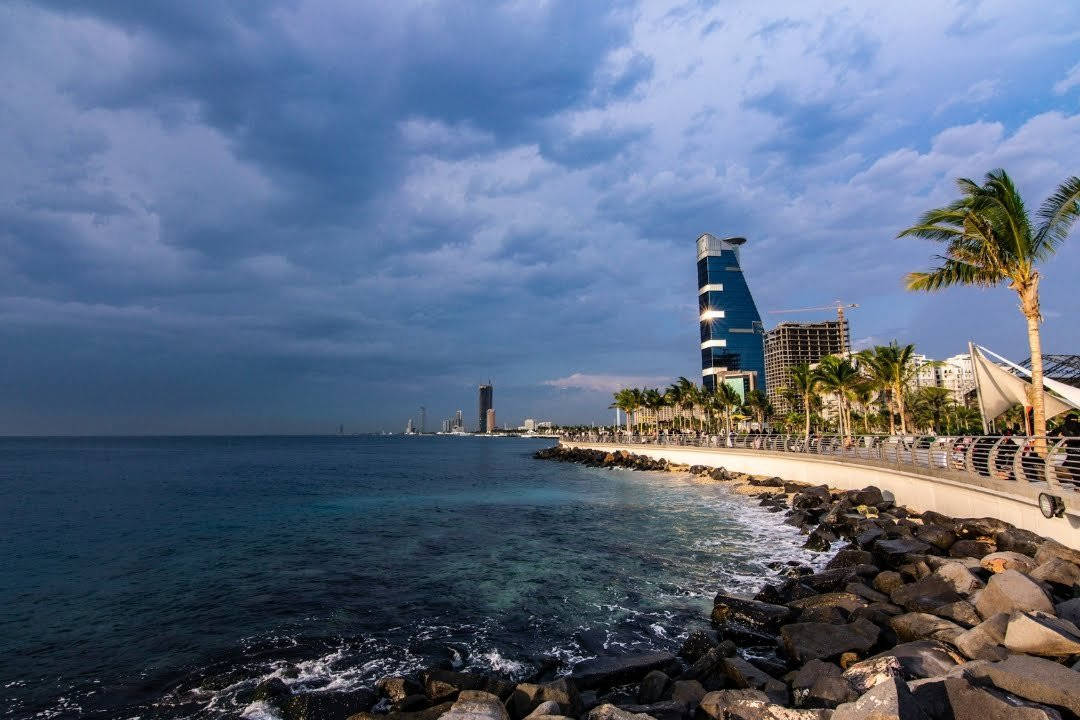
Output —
<point x="949" y="497"/>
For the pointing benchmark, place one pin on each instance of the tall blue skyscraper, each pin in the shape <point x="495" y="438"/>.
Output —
<point x="485" y="405"/>
<point x="732" y="337"/>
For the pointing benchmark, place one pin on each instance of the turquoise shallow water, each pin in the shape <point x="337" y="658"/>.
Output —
<point x="163" y="577"/>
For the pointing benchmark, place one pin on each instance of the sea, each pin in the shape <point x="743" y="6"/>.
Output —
<point x="166" y="577"/>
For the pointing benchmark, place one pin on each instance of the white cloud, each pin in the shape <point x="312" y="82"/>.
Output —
<point x="1071" y="80"/>
<point x="606" y="383"/>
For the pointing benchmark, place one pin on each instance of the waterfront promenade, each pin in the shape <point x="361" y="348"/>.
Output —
<point x="995" y="477"/>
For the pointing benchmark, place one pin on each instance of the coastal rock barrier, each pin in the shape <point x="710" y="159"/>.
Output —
<point x="917" y="616"/>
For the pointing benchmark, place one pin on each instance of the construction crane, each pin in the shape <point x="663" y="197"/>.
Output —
<point x="839" y="306"/>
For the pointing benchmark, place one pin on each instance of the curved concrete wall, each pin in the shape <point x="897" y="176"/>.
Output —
<point x="947" y="496"/>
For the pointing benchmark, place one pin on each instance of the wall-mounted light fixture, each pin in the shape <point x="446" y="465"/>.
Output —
<point x="1051" y="505"/>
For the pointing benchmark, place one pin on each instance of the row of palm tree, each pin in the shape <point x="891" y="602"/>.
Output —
<point x="696" y="407"/>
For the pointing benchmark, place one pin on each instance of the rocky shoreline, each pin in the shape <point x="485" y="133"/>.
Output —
<point x="917" y="616"/>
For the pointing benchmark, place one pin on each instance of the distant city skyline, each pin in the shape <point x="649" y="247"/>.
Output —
<point x="280" y="217"/>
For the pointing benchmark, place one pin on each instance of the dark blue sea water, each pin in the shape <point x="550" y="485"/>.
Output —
<point x="165" y="577"/>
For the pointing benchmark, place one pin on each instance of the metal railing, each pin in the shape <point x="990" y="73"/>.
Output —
<point x="1051" y="461"/>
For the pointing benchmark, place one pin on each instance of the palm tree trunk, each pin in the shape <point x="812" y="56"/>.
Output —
<point x="898" y="388"/>
<point x="1036" y="393"/>
<point x="806" y="415"/>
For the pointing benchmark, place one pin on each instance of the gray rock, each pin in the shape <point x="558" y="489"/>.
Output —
<point x="895" y="550"/>
<point x="918" y="659"/>
<point x="743" y="675"/>
<point x="1003" y="560"/>
<point x="957" y="698"/>
<point x="697" y="644"/>
<point x="866" y="674"/>
<point x="652" y="688"/>
<point x="526" y="697"/>
<point x="432" y="713"/>
<point x="960" y="578"/>
<point x="1057" y="572"/>
<point x="751" y="705"/>
<point x="820" y="685"/>
<point x="607" y="711"/>
<point x="939" y="537"/>
<point x="923" y="626"/>
<point x="985" y="640"/>
<point x="971" y="548"/>
<point x="1041" y="634"/>
<point x="888" y="700"/>
<point x="476" y="705"/>
<point x="961" y="612"/>
<point x="665" y="710"/>
<point x="546" y="709"/>
<point x="444" y="685"/>
<point x="818" y="641"/>
<point x="715" y="705"/>
<point x="850" y="557"/>
<point x="1035" y="679"/>
<point x="926" y="594"/>
<point x="848" y="602"/>
<point x="1069" y="610"/>
<point x="1054" y="549"/>
<point x="1010" y="591"/>
<point x="609" y="671"/>
<point x="866" y="593"/>
<point x="1021" y="541"/>
<point x="397" y="689"/>
<point x="687" y="693"/>
<point x="274" y="692"/>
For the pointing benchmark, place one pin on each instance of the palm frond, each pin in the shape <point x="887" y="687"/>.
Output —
<point x="1057" y="215"/>
<point x="952" y="272"/>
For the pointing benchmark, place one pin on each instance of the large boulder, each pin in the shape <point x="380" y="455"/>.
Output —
<point x="1009" y="591"/>
<point x="820" y="641"/>
<point x="652" y="687"/>
<point x="743" y="675"/>
<point x="913" y="660"/>
<point x="526" y="697"/>
<point x="1054" y="549"/>
<point x="751" y="613"/>
<point x="985" y="640"/>
<point x="397" y="688"/>
<point x="432" y="713"/>
<point x="328" y="704"/>
<point x="971" y="548"/>
<point x="936" y="535"/>
<point x="697" y="644"/>
<point x="477" y="705"/>
<point x="608" y="711"/>
<point x="960" y="577"/>
<point x="960" y="612"/>
<point x="888" y="700"/>
<point x="820" y="685"/>
<point x="1061" y="574"/>
<point x="848" y="602"/>
<point x="923" y="626"/>
<point x="750" y="705"/>
<point x="1069" y="610"/>
<point x="1035" y="679"/>
<point x="894" y="551"/>
<point x="957" y="698"/>
<point x="1041" y="634"/>
<point x="926" y="594"/>
<point x="444" y="685"/>
<point x="605" y="672"/>
<point x="687" y="693"/>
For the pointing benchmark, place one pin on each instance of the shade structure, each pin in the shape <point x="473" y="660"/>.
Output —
<point x="1000" y="389"/>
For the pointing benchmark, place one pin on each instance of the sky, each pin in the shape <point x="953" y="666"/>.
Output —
<point x="289" y="215"/>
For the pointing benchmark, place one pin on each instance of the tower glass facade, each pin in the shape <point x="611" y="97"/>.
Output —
<point x="732" y="349"/>
<point x="485" y="405"/>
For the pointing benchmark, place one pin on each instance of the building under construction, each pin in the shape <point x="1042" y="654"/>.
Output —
<point x="789" y="344"/>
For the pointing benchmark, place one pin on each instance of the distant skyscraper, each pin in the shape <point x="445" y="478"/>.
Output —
<point x="459" y="421"/>
<point x="732" y="350"/>
<point x="485" y="405"/>
<point x="490" y="420"/>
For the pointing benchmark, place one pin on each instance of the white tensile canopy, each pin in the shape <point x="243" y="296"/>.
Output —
<point x="1000" y="389"/>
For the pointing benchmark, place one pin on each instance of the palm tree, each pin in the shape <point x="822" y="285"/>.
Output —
<point x="726" y="399"/>
<point x="758" y="404"/>
<point x="654" y="400"/>
<point x="804" y="385"/>
<point x="838" y="376"/>
<point x="990" y="240"/>
<point x="689" y="396"/>
<point x="627" y="401"/>
<point x="892" y="367"/>
<point x="931" y="405"/>
<point x="864" y="394"/>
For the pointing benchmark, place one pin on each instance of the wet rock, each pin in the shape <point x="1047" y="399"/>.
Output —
<point x="1035" y="679"/>
<point x="887" y="581"/>
<point x="652" y="688"/>
<point x="397" y="689"/>
<point x="1062" y="575"/>
<point x="972" y="528"/>
<point x="1003" y="560"/>
<point x="877" y="613"/>
<point x="1010" y="590"/>
<point x="963" y="581"/>
<point x="936" y="536"/>
<point x="687" y="693"/>
<point x="985" y="640"/>
<point x="811" y="497"/>
<point x="926" y="594"/>
<point x="866" y="538"/>
<point x="697" y="644"/>
<point x="476" y="705"/>
<point x="274" y="692"/>
<point x="328" y="704"/>
<point x="609" y="671"/>
<point x="751" y="613"/>
<point x="829" y="580"/>
<point x="869" y="495"/>
<point x="971" y="548"/>
<point x="819" y="539"/>
<point x="432" y="713"/>
<point x="866" y="593"/>
<point x="895" y="550"/>
<point x="547" y="708"/>
<point x="767" y="482"/>
<point x="443" y="685"/>
<point x="526" y="697"/>
<point x="820" y="685"/>
<point x="1041" y="634"/>
<point x="848" y="602"/>
<point x="957" y="698"/>
<point x="708" y="670"/>
<point x="1024" y="542"/>
<point x="665" y="710"/>
<point x="888" y="700"/>
<point x="819" y="641"/>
